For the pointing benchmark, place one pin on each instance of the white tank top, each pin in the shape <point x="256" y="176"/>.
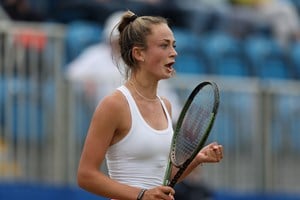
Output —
<point x="141" y="157"/>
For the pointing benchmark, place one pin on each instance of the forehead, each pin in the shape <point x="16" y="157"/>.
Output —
<point x="161" y="32"/>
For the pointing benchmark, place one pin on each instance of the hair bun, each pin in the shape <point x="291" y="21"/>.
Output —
<point x="133" y="17"/>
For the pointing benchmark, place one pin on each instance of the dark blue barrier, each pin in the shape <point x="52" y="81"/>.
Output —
<point x="254" y="196"/>
<point x="186" y="191"/>
<point x="26" y="191"/>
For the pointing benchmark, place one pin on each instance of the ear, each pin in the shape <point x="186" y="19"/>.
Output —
<point x="138" y="54"/>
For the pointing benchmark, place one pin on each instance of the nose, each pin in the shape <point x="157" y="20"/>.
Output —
<point x="173" y="52"/>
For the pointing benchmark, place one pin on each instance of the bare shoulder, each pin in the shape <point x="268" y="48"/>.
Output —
<point x="109" y="117"/>
<point x="112" y="105"/>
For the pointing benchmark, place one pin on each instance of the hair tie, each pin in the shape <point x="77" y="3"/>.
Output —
<point x="133" y="17"/>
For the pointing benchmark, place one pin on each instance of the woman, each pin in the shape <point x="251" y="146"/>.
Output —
<point x="132" y="127"/>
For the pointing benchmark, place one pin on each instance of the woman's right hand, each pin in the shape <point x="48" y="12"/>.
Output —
<point x="160" y="192"/>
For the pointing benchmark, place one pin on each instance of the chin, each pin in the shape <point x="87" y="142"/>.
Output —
<point x="167" y="76"/>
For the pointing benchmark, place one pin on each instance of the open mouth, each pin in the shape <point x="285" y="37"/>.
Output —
<point x="170" y="68"/>
<point x="170" y="65"/>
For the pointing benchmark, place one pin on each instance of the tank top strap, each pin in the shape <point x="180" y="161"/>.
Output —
<point x="133" y="107"/>
<point x="165" y="110"/>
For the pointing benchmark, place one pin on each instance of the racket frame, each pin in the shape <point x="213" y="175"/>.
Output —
<point x="201" y="144"/>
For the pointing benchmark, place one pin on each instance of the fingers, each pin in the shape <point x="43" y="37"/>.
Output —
<point x="171" y="197"/>
<point x="168" y="193"/>
<point x="214" y="152"/>
<point x="160" y="192"/>
<point x="168" y="190"/>
<point x="218" y="149"/>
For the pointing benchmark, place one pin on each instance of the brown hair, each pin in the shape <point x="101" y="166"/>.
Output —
<point x="133" y="32"/>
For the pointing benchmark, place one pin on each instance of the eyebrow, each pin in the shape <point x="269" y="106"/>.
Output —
<point x="167" y="40"/>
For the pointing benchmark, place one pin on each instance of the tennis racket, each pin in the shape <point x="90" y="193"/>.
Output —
<point x="192" y="129"/>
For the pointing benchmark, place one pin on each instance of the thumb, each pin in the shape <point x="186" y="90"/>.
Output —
<point x="213" y="144"/>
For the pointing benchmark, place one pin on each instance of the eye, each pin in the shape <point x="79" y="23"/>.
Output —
<point x="164" y="46"/>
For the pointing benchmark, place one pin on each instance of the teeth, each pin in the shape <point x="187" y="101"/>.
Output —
<point x="170" y="68"/>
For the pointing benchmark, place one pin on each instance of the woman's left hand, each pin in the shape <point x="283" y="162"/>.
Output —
<point x="211" y="153"/>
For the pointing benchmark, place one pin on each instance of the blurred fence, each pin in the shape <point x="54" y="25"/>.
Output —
<point x="44" y="119"/>
<point x="31" y="121"/>
<point x="258" y="124"/>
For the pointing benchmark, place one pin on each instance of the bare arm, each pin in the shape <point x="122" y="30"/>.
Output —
<point x="106" y="125"/>
<point x="211" y="153"/>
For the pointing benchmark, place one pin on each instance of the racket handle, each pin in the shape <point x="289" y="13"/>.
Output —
<point x="176" y="177"/>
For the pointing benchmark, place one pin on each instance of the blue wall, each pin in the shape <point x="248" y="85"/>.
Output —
<point x="254" y="196"/>
<point x="43" y="192"/>
<point x="24" y="191"/>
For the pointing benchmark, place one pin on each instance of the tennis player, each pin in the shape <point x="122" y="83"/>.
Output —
<point x="132" y="127"/>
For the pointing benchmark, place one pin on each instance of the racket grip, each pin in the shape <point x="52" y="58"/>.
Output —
<point x="176" y="177"/>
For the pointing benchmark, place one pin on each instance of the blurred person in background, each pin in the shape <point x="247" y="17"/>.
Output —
<point x="201" y="16"/>
<point x="280" y="16"/>
<point x="132" y="127"/>
<point x="3" y="14"/>
<point x="20" y="10"/>
<point x="94" y="67"/>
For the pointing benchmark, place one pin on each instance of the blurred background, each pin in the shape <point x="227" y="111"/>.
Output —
<point x="51" y="81"/>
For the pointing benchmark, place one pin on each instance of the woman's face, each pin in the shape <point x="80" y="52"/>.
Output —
<point x="160" y="53"/>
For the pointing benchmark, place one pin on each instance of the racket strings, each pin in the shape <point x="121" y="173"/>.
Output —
<point x="194" y="125"/>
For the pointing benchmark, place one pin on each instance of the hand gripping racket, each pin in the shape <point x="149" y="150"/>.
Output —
<point x="192" y="129"/>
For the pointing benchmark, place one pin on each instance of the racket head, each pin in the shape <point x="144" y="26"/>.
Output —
<point x="194" y="123"/>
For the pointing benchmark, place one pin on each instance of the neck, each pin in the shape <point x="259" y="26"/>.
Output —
<point x="133" y="84"/>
